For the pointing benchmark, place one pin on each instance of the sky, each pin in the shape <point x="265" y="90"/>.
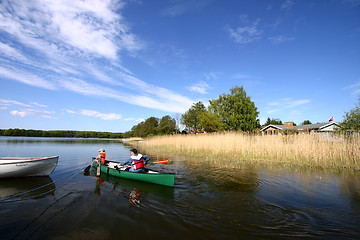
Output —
<point x="104" y="65"/>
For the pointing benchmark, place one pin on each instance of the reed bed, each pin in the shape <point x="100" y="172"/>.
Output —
<point x="338" y="151"/>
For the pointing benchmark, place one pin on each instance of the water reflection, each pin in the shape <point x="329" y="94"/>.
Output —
<point x="17" y="186"/>
<point x="134" y="191"/>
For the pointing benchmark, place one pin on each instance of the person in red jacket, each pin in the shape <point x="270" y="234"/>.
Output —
<point x="137" y="162"/>
<point x="101" y="156"/>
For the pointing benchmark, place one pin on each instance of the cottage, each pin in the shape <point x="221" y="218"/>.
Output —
<point x="309" y="128"/>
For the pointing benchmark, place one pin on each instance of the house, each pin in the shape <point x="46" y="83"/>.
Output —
<point x="309" y="128"/>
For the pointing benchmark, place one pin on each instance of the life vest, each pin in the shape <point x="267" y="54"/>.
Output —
<point x="102" y="155"/>
<point x="138" y="161"/>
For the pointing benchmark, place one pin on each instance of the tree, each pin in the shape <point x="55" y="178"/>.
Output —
<point x="274" y="121"/>
<point x="191" y="118"/>
<point x="236" y="110"/>
<point x="352" y="118"/>
<point x="210" y="122"/>
<point x="306" y="122"/>
<point x="167" y="125"/>
<point x="150" y="127"/>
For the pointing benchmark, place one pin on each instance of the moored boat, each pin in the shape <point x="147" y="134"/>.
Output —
<point x="27" y="166"/>
<point x="151" y="176"/>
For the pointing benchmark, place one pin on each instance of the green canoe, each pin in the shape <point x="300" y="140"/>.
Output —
<point x="152" y="176"/>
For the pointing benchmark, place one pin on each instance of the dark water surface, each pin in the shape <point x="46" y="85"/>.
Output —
<point x="206" y="203"/>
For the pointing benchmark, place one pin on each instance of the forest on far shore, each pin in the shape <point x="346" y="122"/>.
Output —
<point x="59" y="133"/>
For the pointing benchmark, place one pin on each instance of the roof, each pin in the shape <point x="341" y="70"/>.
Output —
<point x="280" y="127"/>
<point x="315" y="126"/>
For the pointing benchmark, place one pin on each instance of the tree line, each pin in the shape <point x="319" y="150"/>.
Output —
<point x="59" y="133"/>
<point x="153" y="126"/>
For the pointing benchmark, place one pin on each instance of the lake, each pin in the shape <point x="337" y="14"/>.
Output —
<point x="247" y="202"/>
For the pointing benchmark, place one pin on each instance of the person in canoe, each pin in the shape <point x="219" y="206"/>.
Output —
<point x="137" y="162"/>
<point x="101" y="156"/>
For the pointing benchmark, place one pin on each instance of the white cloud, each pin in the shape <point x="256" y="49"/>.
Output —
<point x="11" y="52"/>
<point x="285" y="104"/>
<point x="134" y="119"/>
<point x="89" y="26"/>
<point x="5" y="102"/>
<point x="69" y="111"/>
<point x="26" y="77"/>
<point x="103" y="116"/>
<point x="38" y="104"/>
<point x="245" y="34"/>
<point x="70" y="45"/>
<point x="200" y="87"/>
<point x="32" y="113"/>
<point x="27" y="112"/>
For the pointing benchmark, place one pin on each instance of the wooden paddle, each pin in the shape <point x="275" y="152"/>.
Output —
<point x="87" y="169"/>
<point x="162" y="161"/>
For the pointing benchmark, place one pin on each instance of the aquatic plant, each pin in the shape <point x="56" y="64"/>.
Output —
<point x="338" y="151"/>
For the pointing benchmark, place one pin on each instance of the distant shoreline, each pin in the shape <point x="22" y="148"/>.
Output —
<point x="58" y="133"/>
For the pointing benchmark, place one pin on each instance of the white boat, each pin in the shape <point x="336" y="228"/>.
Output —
<point x="27" y="166"/>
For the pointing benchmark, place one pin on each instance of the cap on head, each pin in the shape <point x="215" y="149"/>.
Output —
<point x="102" y="150"/>
<point x="134" y="150"/>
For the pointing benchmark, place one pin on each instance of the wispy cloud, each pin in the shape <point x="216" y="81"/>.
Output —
<point x="280" y="39"/>
<point x="69" y="111"/>
<point x="95" y="114"/>
<point x="350" y="3"/>
<point x="7" y="102"/>
<point x="200" y="87"/>
<point x="354" y="88"/>
<point x="243" y="76"/>
<point x="25" y="77"/>
<point x="9" y="51"/>
<point x="77" y="46"/>
<point x="103" y="116"/>
<point x="29" y="112"/>
<point x="247" y="33"/>
<point x="180" y="7"/>
<point x="212" y="75"/>
<point x="285" y="104"/>
<point x="287" y="5"/>
<point x="26" y="109"/>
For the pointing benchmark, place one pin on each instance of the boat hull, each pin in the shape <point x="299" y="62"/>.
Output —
<point x="27" y="167"/>
<point x="165" y="179"/>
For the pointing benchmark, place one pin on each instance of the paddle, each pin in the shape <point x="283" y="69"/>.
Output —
<point x="87" y="169"/>
<point x="162" y="161"/>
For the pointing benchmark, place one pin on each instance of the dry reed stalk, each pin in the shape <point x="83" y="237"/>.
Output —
<point x="304" y="150"/>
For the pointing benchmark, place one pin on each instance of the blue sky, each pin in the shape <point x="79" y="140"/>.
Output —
<point x="106" y="65"/>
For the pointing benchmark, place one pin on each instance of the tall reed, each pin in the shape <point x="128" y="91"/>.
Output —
<point x="305" y="150"/>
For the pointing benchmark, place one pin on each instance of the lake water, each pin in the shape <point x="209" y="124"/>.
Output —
<point x="206" y="202"/>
